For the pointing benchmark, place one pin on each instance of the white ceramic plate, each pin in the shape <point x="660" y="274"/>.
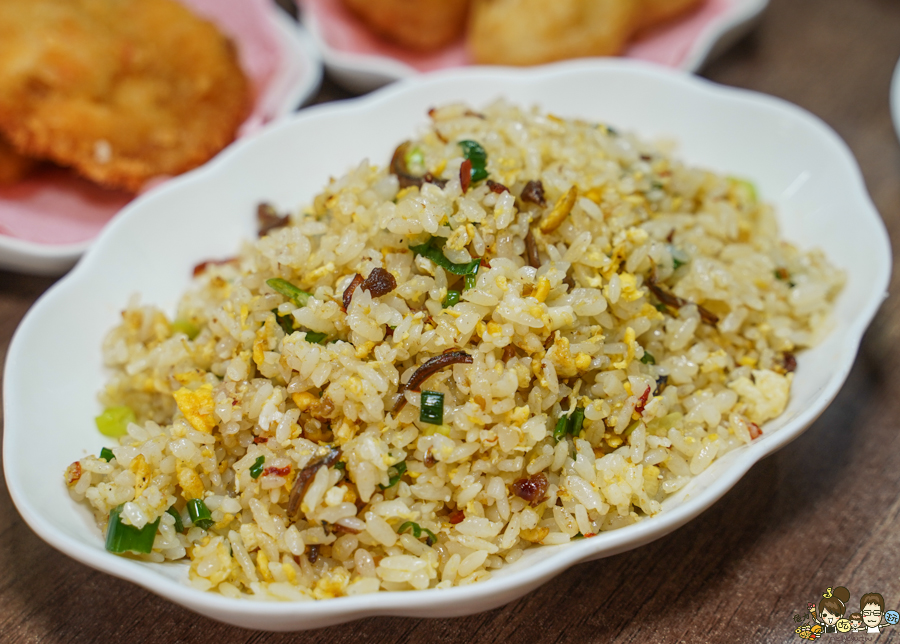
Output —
<point x="895" y="98"/>
<point x="53" y="370"/>
<point x="46" y="225"/>
<point x="362" y="61"/>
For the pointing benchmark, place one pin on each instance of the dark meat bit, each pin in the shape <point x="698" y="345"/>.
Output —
<point x="428" y="369"/>
<point x="670" y="236"/>
<point x="342" y="529"/>
<point x="676" y="302"/>
<point x="456" y="516"/>
<point x="202" y="266"/>
<point x="465" y="175"/>
<point x="534" y="260"/>
<point x="399" y="168"/>
<point x="499" y="188"/>
<point x="789" y="361"/>
<point x="531" y="489"/>
<point x="348" y="292"/>
<point x="569" y="281"/>
<point x="268" y="219"/>
<point x="306" y="476"/>
<point x="509" y="352"/>
<point x="661" y="383"/>
<point x="379" y="282"/>
<point x="313" y="555"/>
<point x="429" y="459"/>
<point x="279" y="471"/>
<point x="533" y="192"/>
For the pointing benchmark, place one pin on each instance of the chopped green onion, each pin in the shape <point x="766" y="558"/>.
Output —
<point x="114" y="421"/>
<point x="315" y="337"/>
<point x="560" y="429"/>
<point x="578" y="536"/>
<point x="291" y="292"/>
<point x="106" y="454"/>
<point x="648" y="358"/>
<point x="676" y="263"/>
<point x="576" y="421"/>
<point x="432" y="409"/>
<point x="340" y="465"/>
<point x="414" y="157"/>
<point x="200" y="515"/>
<point x="187" y="327"/>
<point x="179" y="524"/>
<point x="121" y="537"/>
<point x="470" y="281"/>
<point x="284" y="321"/>
<point x="659" y="306"/>
<point x="452" y="299"/>
<point x="399" y="470"/>
<point x="433" y="250"/>
<point x="257" y="467"/>
<point x="417" y="531"/>
<point x="747" y="186"/>
<point x="477" y="157"/>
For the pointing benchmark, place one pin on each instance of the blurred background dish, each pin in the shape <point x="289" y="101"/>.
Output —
<point x="51" y="217"/>
<point x="362" y="60"/>
<point x="895" y="98"/>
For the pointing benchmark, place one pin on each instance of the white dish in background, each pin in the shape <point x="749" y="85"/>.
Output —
<point x="361" y="61"/>
<point x="49" y="221"/>
<point x="796" y="160"/>
<point x="895" y="98"/>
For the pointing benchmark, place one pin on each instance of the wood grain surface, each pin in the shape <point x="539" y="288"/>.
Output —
<point x="824" y="511"/>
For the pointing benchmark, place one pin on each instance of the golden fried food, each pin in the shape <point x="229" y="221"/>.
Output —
<point x="13" y="166"/>
<point x="120" y="90"/>
<point x="417" y="24"/>
<point x="656" y="11"/>
<point x="531" y="32"/>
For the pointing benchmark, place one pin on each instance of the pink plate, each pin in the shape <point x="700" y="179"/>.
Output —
<point x="48" y="220"/>
<point x="361" y="60"/>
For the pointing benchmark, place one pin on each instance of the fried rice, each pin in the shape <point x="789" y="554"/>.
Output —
<point x="524" y="330"/>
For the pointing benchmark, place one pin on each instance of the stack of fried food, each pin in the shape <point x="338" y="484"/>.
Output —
<point x="120" y="91"/>
<point x="518" y="32"/>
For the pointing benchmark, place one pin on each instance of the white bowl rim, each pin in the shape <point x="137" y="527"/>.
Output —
<point x="447" y="601"/>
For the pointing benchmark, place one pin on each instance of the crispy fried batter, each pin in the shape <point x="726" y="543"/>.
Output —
<point x="121" y="90"/>
<point x="13" y="166"/>
<point x="530" y="32"/>
<point x="417" y="24"/>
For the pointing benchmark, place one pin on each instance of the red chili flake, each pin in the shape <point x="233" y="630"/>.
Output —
<point x="268" y="219"/>
<point x="279" y="471"/>
<point x="202" y="266"/>
<point x="533" y="192"/>
<point x="789" y="362"/>
<point x="755" y="431"/>
<point x="590" y="534"/>
<point x="499" y="188"/>
<point x="348" y="292"/>
<point x="457" y="516"/>
<point x="531" y="489"/>
<point x="465" y="175"/>
<point x="260" y="439"/>
<point x="379" y="282"/>
<point x="642" y="401"/>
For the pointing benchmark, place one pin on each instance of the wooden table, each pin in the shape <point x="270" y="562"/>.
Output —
<point x="824" y="511"/>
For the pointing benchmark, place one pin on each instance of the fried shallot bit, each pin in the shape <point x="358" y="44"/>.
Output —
<point x="509" y="352"/>
<point x="348" y="292"/>
<point x="675" y="302"/>
<point x="789" y="361"/>
<point x="306" y="476"/>
<point x="532" y="489"/>
<point x="642" y="402"/>
<point x="407" y="179"/>
<point x="533" y="192"/>
<point x="534" y="260"/>
<point x="277" y="471"/>
<point x="338" y="528"/>
<point x="499" y="188"/>
<point x="428" y="369"/>
<point x="202" y="266"/>
<point x="268" y="219"/>
<point x="379" y="282"/>
<point x="465" y="175"/>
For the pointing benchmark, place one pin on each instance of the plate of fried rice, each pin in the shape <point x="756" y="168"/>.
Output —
<point x="418" y="352"/>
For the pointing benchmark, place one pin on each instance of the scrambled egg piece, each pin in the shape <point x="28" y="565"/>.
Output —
<point x="629" y="356"/>
<point x="197" y="407"/>
<point x="767" y="397"/>
<point x="141" y="470"/>
<point x="191" y="485"/>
